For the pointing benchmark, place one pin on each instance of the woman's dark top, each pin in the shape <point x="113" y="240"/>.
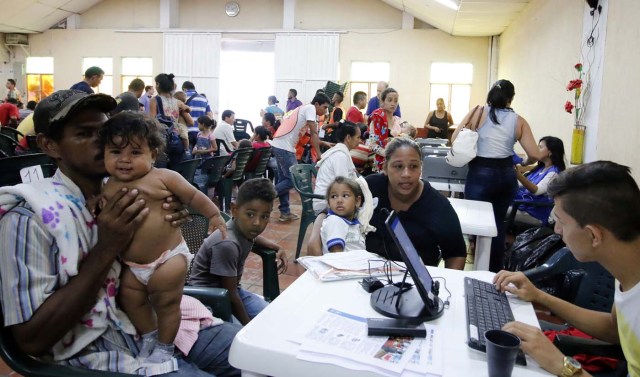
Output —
<point x="431" y="223"/>
<point x="441" y="123"/>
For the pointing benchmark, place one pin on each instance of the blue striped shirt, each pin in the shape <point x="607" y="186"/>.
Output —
<point x="199" y="104"/>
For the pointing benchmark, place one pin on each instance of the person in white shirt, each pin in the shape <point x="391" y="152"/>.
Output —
<point x="341" y="229"/>
<point x="284" y="146"/>
<point x="336" y="162"/>
<point x="224" y="131"/>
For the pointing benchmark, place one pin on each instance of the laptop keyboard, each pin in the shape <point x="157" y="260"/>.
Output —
<point x="487" y="309"/>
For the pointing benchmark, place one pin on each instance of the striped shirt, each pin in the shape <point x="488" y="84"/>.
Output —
<point x="199" y="104"/>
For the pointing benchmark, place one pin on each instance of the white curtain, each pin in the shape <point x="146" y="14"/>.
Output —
<point x="194" y="57"/>
<point x="305" y="62"/>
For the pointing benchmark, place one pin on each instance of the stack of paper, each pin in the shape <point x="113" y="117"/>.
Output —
<point x="349" y="265"/>
<point x="341" y="339"/>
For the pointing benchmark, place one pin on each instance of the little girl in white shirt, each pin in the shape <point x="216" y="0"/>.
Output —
<point x="341" y="229"/>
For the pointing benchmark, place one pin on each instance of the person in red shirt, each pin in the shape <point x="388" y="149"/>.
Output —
<point x="354" y="114"/>
<point x="9" y="113"/>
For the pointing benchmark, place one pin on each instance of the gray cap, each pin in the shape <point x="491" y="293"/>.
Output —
<point x="65" y="103"/>
<point x="126" y="102"/>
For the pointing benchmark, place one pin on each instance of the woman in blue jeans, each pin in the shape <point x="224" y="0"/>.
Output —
<point x="492" y="177"/>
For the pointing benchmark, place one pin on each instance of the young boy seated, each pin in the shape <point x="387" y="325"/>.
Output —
<point x="220" y="262"/>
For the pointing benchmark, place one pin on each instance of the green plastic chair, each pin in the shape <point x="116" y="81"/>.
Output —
<point x="242" y="156"/>
<point x="302" y="176"/>
<point x="216" y="299"/>
<point x="263" y="155"/>
<point x="187" y="169"/>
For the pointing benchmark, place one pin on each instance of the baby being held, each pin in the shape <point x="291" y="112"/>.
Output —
<point x="158" y="257"/>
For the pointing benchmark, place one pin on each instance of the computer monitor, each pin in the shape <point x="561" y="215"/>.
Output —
<point x="410" y="257"/>
<point x="401" y="300"/>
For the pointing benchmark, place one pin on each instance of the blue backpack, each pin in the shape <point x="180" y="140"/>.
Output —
<point x="174" y="146"/>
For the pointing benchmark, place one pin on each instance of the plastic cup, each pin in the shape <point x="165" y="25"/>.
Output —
<point x="502" y="349"/>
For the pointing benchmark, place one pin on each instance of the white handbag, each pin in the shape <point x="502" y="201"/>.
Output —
<point x="465" y="147"/>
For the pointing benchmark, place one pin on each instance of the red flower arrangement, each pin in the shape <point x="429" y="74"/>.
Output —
<point x="575" y="85"/>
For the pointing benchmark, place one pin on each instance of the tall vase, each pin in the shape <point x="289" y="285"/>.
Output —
<point x="577" y="144"/>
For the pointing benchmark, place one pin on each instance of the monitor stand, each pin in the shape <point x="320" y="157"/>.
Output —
<point x="395" y="302"/>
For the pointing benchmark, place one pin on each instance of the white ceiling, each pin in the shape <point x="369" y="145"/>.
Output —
<point x="473" y="18"/>
<point x="34" y="16"/>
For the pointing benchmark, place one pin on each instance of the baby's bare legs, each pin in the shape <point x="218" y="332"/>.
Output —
<point x="165" y="293"/>
<point x="134" y="300"/>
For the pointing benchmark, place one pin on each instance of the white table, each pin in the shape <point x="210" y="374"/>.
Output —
<point x="261" y="348"/>
<point x="476" y="218"/>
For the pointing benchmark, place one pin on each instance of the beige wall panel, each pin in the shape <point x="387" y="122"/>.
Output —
<point x="537" y="54"/>
<point x="122" y="14"/>
<point x="411" y="53"/>
<point x="68" y="47"/>
<point x="350" y="14"/>
<point x="619" y="128"/>
<point x="210" y="14"/>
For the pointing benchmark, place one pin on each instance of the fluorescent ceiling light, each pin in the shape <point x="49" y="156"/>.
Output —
<point x="449" y="4"/>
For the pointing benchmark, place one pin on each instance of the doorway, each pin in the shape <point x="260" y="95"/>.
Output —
<point x="246" y="78"/>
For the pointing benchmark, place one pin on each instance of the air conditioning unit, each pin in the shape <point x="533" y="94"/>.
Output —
<point x="16" y="39"/>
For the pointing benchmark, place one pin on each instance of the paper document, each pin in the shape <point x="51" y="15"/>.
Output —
<point x="341" y="339"/>
<point x="348" y="265"/>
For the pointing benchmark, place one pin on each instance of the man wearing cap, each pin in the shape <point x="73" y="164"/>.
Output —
<point x="128" y="101"/>
<point x="60" y="274"/>
<point x="273" y="108"/>
<point x="199" y="104"/>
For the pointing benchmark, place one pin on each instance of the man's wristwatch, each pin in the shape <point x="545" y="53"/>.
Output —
<point x="571" y="367"/>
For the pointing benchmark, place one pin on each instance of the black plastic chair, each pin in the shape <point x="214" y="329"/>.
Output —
<point x="302" y="176"/>
<point x="10" y="167"/>
<point x="240" y="129"/>
<point x="216" y="299"/>
<point x="11" y="132"/>
<point x="241" y="156"/>
<point x="515" y="227"/>
<point x="592" y="289"/>
<point x="222" y="144"/>
<point x="8" y="145"/>
<point x="263" y="155"/>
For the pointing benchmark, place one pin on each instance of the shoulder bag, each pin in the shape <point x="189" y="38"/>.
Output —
<point x="465" y="147"/>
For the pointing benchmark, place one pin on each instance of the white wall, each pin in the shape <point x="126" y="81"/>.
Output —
<point x="619" y="126"/>
<point x="69" y="47"/>
<point x="537" y="54"/>
<point x="411" y="53"/>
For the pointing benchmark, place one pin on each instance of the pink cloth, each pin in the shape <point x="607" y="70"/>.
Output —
<point x="195" y="317"/>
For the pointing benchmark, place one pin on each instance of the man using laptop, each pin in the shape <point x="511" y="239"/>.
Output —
<point x="597" y="207"/>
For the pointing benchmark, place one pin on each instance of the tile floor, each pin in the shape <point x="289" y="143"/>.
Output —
<point x="284" y="234"/>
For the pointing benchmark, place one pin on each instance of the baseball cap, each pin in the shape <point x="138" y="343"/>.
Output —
<point x="63" y="104"/>
<point x="273" y="99"/>
<point x="126" y="102"/>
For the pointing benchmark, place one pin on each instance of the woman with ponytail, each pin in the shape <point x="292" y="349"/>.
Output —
<point x="492" y="177"/>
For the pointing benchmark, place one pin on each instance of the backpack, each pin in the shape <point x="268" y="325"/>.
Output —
<point x="174" y="143"/>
